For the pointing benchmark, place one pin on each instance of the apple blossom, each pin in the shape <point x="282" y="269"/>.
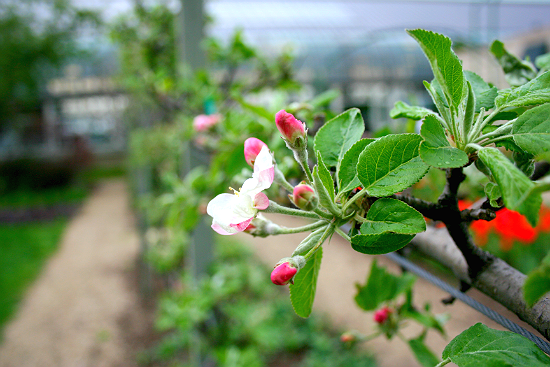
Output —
<point x="233" y="213"/>
<point x="204" y="122"/>
<point x="252" y="148"/>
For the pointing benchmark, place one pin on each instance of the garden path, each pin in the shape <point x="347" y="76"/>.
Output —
<point x="342" y="268"/>
<point x="84" y="310"/>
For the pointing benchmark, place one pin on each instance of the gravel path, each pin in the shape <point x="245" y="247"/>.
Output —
<point x="84" y="309"/>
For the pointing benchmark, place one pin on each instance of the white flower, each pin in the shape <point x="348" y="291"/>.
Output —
<point x="232" y="213"/>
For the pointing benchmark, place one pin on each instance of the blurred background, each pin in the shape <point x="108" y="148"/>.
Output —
<point x="98" y="149"/>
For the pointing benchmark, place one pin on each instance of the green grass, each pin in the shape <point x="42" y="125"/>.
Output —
<point x="24" y="248"/>
<point x="96" y="173"/>
<point x="61" y="195"/>
<point x="28" y="198"/>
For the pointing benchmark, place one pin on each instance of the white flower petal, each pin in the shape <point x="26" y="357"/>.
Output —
<point x="222" y="229"/>
<point x="221" y="205"/>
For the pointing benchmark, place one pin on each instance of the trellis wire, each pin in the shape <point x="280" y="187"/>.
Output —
<point x="492" y="314"/>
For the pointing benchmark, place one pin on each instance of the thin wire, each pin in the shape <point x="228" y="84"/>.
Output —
<point x="492" y="314"/>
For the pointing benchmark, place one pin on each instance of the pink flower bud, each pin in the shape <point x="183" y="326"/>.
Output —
<point x="348" y="337"/>
<point x="204" y="122"/>
<point x="290" y="127"/>
<point x="382" y="315"/>
<point x="252" y="148"/>
<point x="283" y="273"/>
<point x="304" y="197"/>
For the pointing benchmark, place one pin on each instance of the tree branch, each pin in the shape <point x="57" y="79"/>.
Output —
<point x="450" y="215"/>
<point x="498" y="280"/>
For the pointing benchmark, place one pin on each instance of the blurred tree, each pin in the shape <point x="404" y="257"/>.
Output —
<point x="36" y="38"/>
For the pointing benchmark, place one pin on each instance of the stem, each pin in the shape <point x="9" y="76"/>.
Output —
<point x="478" y="121"/>
<point x="370" y="337"/>
<point x="281" y="180"/>
<point x="474" y="146"/>
<point x="498" y="131"/>
<point x="490" y="141"/>
<point x="479" y="126"/>
<point x="454" y="131"/>
<point x="279" y="209"/>
<point x="444" y="362"/>
<point x="322" y="214"/>
<point x="328" y="231"/>
<point x="342" y="234"/>
<point x="359" y="218"/>
<point x="302" y="159"/>
<point x="309" y="227"/>
<point x="357" y="196"/>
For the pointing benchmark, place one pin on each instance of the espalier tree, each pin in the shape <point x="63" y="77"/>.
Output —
<point x="362" y="183"/>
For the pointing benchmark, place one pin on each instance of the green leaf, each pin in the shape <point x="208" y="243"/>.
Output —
<point x="436" y="150"/>
<point x="427" y="319"/>
<point x="469" y="112"/>
<point x="324" y="186"/>
<point x="446" y="66"/>
<point x="492" y="191"/>
<point x="403" y="110"/>
<point x="422" y="353"/>
<point x="537" y="283"/>
<point x="325" y="177"/>
<point x="324" y="98"/>
<point x="381" y="286"/>
<point x="532" y="130"/>
<point x="436" y="93"/>
<point x="377" y="244"/>
<point x="482" y="346"/>
<point x="310" y="241"/>
<point x="517" y="72"/>
<point x="347" y="169"/>
<point x="302" y="292"/>
<point x="258" y="110"/>
<point x="485" y="94"/>
<point x="337" y="135"/>
<point x="391" y="164"/>
<point x="543" y="62"/>
<point x="516" y="188"/>
<point x="537" y="91"/>
<point x="391" y="215"/>
<point x="390" y="225"/>
<point x="525" y="162"/>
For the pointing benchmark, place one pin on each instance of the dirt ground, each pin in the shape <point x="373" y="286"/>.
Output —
<point x="85" y="310"/>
